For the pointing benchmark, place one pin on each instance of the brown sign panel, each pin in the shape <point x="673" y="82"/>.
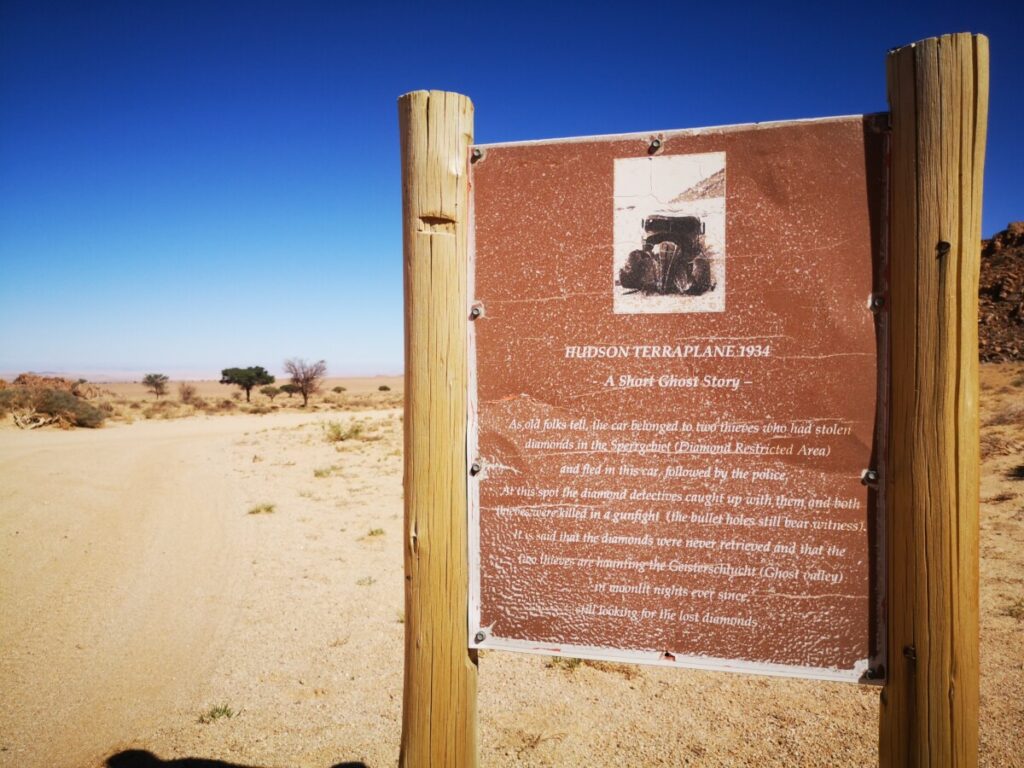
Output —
<point x="675" y="397"/>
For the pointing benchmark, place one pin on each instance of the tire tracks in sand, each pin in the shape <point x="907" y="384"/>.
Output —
<point x="119" y="558"/>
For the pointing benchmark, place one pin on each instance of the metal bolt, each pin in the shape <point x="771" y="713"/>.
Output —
<point x="943" y="248"/>
<point x="476" y="155"/>
<point x="654" y="147"/>
<point x="479" y="637"/>
<point x="877" y="302"/>
<point x="869" y="477"/>
<point x="475" y="312"/>
<point x="875" y="673"/>
<point x="475" y="468"/>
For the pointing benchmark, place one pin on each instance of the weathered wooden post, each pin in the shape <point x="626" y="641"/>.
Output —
<point x="938" y="93"/>
<point x="439" y="705"/>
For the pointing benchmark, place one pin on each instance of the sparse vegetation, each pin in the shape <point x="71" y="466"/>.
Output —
<point x="262" y="509"/>
<point x="375" y="532"/>
<point x="289" y="389"/>
<point x="338" y="390"/>
<point x="270" y="392"/>
<point x="366" y="581"/>
<point x="186" y="392"/>
<point x="220" y="712"/>
<point x="383" y="388"/>
<point x="156" y="383"/>
<point x="336" y="432"/>
<point x="1011" y="414"/>
<point x="1015" y="610"/>
<point x="568" y="663"/>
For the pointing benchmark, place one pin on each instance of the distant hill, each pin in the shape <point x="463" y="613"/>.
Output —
<point x="1001" y="296"/>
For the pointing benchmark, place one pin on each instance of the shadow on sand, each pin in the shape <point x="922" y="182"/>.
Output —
<point x="140" y="758"/>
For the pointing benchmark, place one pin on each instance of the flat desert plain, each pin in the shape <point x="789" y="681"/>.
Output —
<point x="226" y="590"/>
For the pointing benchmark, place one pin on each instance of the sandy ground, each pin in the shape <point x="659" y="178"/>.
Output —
<point x="147" y="603"/>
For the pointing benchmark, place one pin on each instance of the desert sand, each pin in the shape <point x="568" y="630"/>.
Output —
<point x="229" y="588"/>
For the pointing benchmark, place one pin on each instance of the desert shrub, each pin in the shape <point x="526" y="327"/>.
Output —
<point x="337" y="390"/>
<point x="383" y="388"/>
<point x="226" y="405"/>
<point x="186" y="392"/>
<point x="270" y="392"/>
<point x="260" y="409"/>
<point x="166" y="409"/>
<point x="57" y="402"/>
<point x="13" y="398"/>
<point x="1010" y="414"/>
<point x="335" y="432"/>
<point x="216" y="713"/>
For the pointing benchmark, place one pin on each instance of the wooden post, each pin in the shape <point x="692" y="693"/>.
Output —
<point x="439" y="703"/>
<point x="938" y="94"/>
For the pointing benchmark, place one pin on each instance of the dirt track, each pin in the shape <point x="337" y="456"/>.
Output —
<point x="120" y="556"/>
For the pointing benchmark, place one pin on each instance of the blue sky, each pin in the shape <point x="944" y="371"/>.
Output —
<point x="187" y="186"/>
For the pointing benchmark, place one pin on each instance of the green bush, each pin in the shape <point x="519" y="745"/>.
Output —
<point x="383" y="388"/>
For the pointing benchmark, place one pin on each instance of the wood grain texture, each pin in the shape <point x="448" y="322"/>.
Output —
<point x="938" y="93"/>
<point x="439" y="704"/>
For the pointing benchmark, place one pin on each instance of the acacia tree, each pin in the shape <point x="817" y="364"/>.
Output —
<point x="156" y="383"/>
<point x="271" y="392"/>
<point x="289" y="389"/>
<point x="306" y="377"/>
<point x="246" y="378"/>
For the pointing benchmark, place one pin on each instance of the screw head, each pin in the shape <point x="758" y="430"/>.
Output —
<point x="869" y="477"/>
<point x="476" y="154"/>
<point x="475" y="312"/>
<point x="875" y="673"/>
<point x="479" y="637"/>
<point x="475" y="468"/>
<point x="877" y="302"/>
<point x="655" y="146"/>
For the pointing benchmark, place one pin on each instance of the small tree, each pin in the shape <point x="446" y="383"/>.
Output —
<point x="271" y="392"/>
<point x="156" y="383"/>
<point x="246" y="378"/>
<point x="307" y="377"/>
<point x="290" y="389"/>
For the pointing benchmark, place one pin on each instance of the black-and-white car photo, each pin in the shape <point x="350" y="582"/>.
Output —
<point x="670" y="234"/>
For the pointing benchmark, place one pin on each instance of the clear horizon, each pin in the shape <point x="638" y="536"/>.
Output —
<point x="192" y="186"/>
